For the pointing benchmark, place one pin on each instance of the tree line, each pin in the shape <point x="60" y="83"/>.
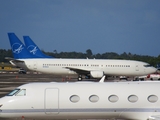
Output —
<point x="89" y="55"/>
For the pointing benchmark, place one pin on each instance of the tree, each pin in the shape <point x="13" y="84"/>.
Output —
<point x="89" y="53"/>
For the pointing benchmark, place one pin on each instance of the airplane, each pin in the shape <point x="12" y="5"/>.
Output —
<point x="94" y="68"/>
<point x="33" y="48"/>
<point x="83" y="100"/>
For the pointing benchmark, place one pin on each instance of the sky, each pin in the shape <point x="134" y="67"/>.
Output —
<point x="77" y="25"/>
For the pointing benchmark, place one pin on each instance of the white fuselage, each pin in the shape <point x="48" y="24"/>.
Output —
<point x="73" y="66"/>
<point x="84" y="100"/>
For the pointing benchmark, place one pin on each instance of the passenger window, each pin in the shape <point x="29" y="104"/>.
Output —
<point x="132" y="98"/>
<point x="21" y="92"/>
<point x="74" y="98"/>
<point x="152" y="98"/>
<point x="113" y="98"/>
<point x="93" y="98"/>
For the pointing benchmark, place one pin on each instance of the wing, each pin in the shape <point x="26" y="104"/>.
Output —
<point x="157" y="117"/>
<point x="79" y="71"/>
<point x="88" y="72"/>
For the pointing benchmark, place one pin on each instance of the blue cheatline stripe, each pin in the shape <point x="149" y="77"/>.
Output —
<point x="81" y="110"/>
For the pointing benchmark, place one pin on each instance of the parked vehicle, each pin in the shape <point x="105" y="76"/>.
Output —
<point x="142" y="78"/>
<point x="22" y="71"/>
<point x="123" y="77"/>
<point x="155" y="76"/>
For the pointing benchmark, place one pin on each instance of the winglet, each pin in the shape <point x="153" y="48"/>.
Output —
<point x="102" y="79"/>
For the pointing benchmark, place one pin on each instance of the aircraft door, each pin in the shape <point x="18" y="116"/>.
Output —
<point x="51" y="101"/>
<point x="137" y="67"/>
<point x="35" y="65"/>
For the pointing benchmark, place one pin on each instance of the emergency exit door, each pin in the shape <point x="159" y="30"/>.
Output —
<point x="51" y="101"/>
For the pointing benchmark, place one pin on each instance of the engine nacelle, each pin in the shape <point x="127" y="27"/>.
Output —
<point x="97" y="74"/>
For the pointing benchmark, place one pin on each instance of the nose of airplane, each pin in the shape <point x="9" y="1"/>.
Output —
<point x="153" y="70"/>
<point x="150" y="70"/>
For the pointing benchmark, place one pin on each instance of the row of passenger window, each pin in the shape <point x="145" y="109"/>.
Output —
<point x="95" y="65"/>
<point x="65" y="65"/>
<point x="114" y="98"/>
<point x="117" y="65"/>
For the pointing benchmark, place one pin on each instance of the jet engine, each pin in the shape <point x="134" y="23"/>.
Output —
<point x="97" y="74"/>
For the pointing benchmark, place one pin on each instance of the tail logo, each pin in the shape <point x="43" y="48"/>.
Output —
<point x="32" y="49"/>
<point x="17" y="48"/>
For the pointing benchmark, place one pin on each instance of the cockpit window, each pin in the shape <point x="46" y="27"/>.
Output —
<point x="148" y="65"/>
<point x="17" y="92"/>
<point x="21" y="92"/>
<point x="13" y="92"/>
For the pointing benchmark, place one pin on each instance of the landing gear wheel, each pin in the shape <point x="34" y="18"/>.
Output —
<point x="80" y="78"/>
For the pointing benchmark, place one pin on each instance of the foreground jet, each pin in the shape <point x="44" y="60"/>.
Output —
<point x="83" y="100"/>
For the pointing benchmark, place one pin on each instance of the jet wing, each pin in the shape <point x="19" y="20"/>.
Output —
<point x="157" y="117"/>
<point x="79" y="71"/>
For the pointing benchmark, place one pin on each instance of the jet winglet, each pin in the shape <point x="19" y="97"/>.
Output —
<point x="102" y="79"/>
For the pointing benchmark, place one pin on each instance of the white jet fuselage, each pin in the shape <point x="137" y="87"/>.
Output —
<point x="84" y="100"/>
<point x="85" y="66"/>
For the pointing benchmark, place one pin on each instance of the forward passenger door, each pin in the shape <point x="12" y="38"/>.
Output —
<point x="51" y="101"/>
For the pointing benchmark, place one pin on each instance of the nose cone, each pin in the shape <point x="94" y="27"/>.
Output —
<point x="154" y="69"/>
<point x="1" y="110"/>
<point x="151" y="70"/>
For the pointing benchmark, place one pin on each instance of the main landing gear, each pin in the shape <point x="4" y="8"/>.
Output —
<point x="79" y="77"/>
<point x="86" y="77"/>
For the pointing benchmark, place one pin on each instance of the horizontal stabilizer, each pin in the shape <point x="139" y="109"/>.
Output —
<point x="9" y="58"/>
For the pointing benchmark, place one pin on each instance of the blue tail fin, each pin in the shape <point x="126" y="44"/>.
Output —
<point x="33" y="48"/>
<point x="18" y="49"/>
